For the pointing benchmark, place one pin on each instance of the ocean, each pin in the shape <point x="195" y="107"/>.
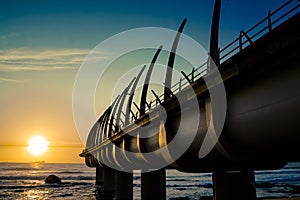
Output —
<point x="26" y="181"/>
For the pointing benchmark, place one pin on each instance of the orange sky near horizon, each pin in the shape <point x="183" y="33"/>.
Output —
<point x="40" y="103"/>
<point x="53" y="155"/>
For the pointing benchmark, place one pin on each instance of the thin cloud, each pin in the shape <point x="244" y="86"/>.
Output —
<point x="25" y="59"/>
<point x="10" y="80"/>
<point x="9" y="68"/>
<point x="9" y="36"/>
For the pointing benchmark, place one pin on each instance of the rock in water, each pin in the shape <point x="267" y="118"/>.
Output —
<point x="52" y="179"/>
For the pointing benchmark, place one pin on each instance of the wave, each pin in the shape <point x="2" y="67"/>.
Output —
<point x="208" y="185"/>
<point x="270" y="185"/>
<point x="41" y="170"/>
<point x="283" y="172"/>
<point x="18" y="168"/>
<point x="68" y="172"/>
<point x="43" y="177"/>
<point x="177" y="179"/>
<point x="63" y="184"/>
<point x="291" y="179"/>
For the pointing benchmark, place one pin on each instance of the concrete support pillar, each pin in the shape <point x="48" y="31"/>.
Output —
<point x="153" y="185"/>
<point x="235" y="185"/>
<point x="109" y="183"/>
<point x="99" y="176"/>
<point x="124" y="186"/>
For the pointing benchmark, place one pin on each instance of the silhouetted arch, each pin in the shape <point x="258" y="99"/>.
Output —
<point x="129" y="103"/>
<point x="120" y="106"/>
<point x="111" y="121"/>
<point x="214" y="34"/>
<point x="146" y="82"/>
<point x="169" y="73"/>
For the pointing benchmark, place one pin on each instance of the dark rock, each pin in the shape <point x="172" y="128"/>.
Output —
<point x="264" y="185"/>
<point x="19" y="190"/>
<point x="52" y="179"/>
<point x="66" y="195"/>
<point x="206" y="198"/>
<point x="209" y="185"/>
<point x="296" y="189"/>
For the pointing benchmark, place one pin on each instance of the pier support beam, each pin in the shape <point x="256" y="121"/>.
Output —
<point x="109" y="183"/>
<point x="153" y="185"/>
<point x="99" y="176"/>
<point x="234" y="185"/>
<point x="124" y="186"/>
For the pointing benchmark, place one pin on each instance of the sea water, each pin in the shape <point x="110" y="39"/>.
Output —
<point x="26" y="181"/>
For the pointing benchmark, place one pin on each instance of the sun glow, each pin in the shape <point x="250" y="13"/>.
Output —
<point x="37" y="145"/>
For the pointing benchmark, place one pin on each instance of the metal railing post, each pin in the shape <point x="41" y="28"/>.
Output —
<point x="240" y="42"/>
<point x="269" y="21"/>
<point x="243" y="33"/>
<point x="180" y="84"/>
<point x="193" y="70"/>
<point x="186" y="77"/>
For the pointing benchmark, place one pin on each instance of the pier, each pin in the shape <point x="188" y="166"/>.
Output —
<point x="259" y="71"/>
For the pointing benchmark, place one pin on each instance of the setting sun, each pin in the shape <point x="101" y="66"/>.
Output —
<point x="37" y="145"/>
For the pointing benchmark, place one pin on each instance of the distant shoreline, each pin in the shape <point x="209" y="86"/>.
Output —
<point x="29" y="162"/>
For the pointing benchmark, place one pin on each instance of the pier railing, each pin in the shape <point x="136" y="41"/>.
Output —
<point x="272" y="20"/>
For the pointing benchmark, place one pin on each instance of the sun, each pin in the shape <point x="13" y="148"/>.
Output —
<point x="37" y="145"/>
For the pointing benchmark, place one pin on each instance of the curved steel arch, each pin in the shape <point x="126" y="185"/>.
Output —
<point x="102" y="124"/>
<point x="121" y="103"/>
<point x="91" y="137"/>
<point x="146" y="82"/>
<point x="108" y="118"/>
<point x="214" y="34"/>
<point x="169" y="73"/>
<point x="111" y="120"/>
<point x="129" y="103"/>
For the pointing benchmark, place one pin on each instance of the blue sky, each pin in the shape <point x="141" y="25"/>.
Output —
<point x="82" y="24"/>
<point x="43" y="43"/>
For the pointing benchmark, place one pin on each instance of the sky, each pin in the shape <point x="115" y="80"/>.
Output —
<point x="43" y="43"/>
